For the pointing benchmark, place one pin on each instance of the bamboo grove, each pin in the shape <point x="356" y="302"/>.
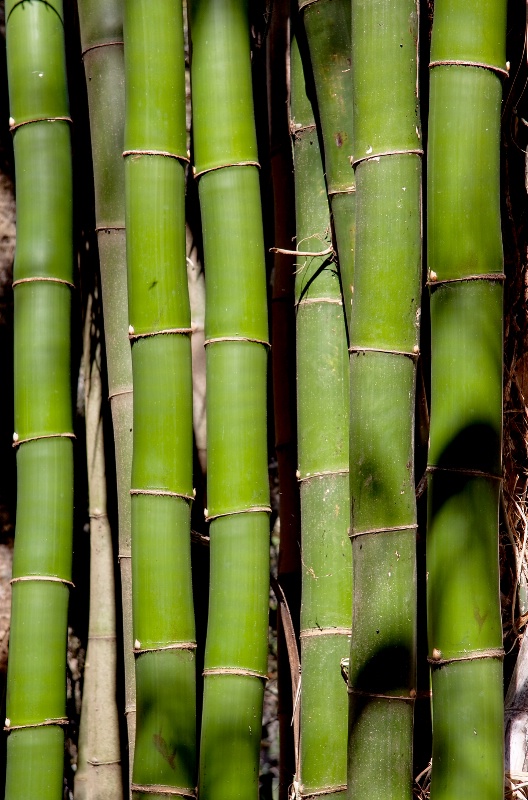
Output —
<point x="336" y="167"/>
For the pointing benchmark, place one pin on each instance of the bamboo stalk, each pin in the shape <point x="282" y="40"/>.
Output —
<point x="384" y="348"/>
<point x="328" y="34"/>
<point x="36" y="691"/>
<point x="159" y="313"/>
<point x="322" y="383"/>
<point x="236" y="353"/>
<point x="98" y="772"/>
<point x="465" y="268"/>
<point x="101" y="26"/>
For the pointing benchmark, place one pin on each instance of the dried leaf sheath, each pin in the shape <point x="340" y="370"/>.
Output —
<point x="159" y="315"/>
<point x="36" y="691"/>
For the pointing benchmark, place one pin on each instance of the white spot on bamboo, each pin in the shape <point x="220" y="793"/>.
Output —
<point x="15" y="437"/>
<point x="368" y="150"/>
<point x="8" y="722"/>
<point x="11" y="121"/>
<point x="206" y="512"/>
<point x="131" y="330"/>
<point x="433" y="276"/>
<point x="137" y="645"/>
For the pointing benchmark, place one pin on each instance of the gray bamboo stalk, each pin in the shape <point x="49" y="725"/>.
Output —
<point x="98" y="773"/>
<point x="101" y="26"/>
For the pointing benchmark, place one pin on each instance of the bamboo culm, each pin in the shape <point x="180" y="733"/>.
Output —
<point x="101" y="29"/>
<point x="43" y="275"/>
<point x="236" y="356"/>
<point x="327" y="28"/>
<point x="465" y="263"/>
<point x="322" y="383"/>
<point x="160" y="327"/>
<point x="384" y="336"/>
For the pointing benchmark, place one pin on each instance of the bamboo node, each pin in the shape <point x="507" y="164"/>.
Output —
<point x="474" y="655"/>
<point x="461" y="63"/>
<point x="348" y="190"/>
<point x="162" y="153"/>
<point x="311" y="475"/>
<point x="405" y="698"/>
<point x="311" y="632"/>
<point x="138" y="650"/>
<point x="236" y="339"/>
<point x="250" y="510"/>
<point x="59" y="721"/>
<point x="43" y="279"/>
<point x="122" y="391"/>
<point x="163" y="790"/>
<point x="133" y="336"/>
<point x="370" y="156"/>
<point x="46" y="578"/>
<point x="493" y="277"/>
<point x="198" y="174"/>
<point x="17" y="442"/>
<point x="14" y="126"/>
<point x="101" y="44"/>
<point x="476" y="473"/>
<point x="248" y="673"/>
<point x="329" y="789"/>
<point x="393" y="529"/>
<point x="162" y="493"/>
<point x="413" y="354"/>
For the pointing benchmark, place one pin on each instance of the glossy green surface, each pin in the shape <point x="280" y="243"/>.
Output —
<point x="385" y="74"/>
<point x="384" y="337"/>
<point x="237" y="480"/>
<point x="36" y="689"/>
<point x="322" y="431"/>
<point x="464" y="239"/>
<point x="158" y="300"/>
<point x="220" y="37"/>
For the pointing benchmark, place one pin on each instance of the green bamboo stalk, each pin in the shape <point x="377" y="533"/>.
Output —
<point x="98" y="772"/>
<point x="36" y="692"/>
<point x="159" y="313"/>
<point x="322" y="383"/>
<point x="236" y="353"/>
<point x="283" y="370"/>
<point x="327" y="27"/>
<point x="384" y="348"/>
<point x="101" y="27"/>
<point x="465" y="277"/>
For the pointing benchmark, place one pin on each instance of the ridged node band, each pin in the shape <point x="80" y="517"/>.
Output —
<point x="60" y="722"/>
<point x="436" y="659"/>
<point x="494" y="277"/>
<point x="217" y="339"/>
<point x="42" y="2"/>
<point x="120" y="392"/>
<point x="414" y="354"/>
<point x="328" y="789"/>
<point x="43" y="279"/>
<point x="404" y="698"/>
<point x="296" y="129"/>
<point x="162" y="153"/>
<point x="245" y="673"/>
<point x="472" y="473"/>
<point x="459" y="63"/>
<point x="371" y="156"/>
<point x="14" y="126"/>
<point x="133" y="336"/>
<point x="17" y="442"/>
<point x="309" y="633"/>
<point x="348" y="190"/>
<point x="117" y="43"/>
<point x="315" y="301"/>
<point x="392" y="529"/>
<point x="251" y="510"/>
<point x="138" y="651"/>
<point x="45" y="578"/>
<point x="105" y="228"/>
<point x="163" y="493"/>
<point x="164" y="791"/>
<point x="324" y="474"/>
<point x="225" y="166"/>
